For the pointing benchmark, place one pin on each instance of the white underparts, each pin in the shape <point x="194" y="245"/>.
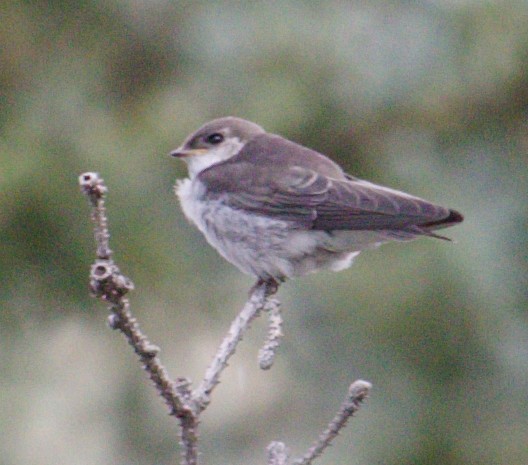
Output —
<point x="266" y="247"/>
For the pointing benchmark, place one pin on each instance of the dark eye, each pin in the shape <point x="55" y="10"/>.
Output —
<point x="215" y="138"/>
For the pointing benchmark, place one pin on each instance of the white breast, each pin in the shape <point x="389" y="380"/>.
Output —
<point x="190" y="194"/>
<point x="252" y="243"/>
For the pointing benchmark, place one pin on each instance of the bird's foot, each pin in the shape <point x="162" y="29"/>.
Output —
<point x="272" y="285"/>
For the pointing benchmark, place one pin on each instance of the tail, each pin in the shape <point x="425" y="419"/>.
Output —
<point x="427" y="229"/>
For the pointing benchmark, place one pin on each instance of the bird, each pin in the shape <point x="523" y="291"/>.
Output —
<point x="278" y="210"/>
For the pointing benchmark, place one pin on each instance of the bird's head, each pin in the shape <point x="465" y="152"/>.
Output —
<point x="214" y="142"/>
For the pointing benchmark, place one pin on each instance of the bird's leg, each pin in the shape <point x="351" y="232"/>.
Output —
<point x="272" y="285"/>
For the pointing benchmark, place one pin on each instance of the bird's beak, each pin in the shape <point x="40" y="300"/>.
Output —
<point x="182" y="152"/>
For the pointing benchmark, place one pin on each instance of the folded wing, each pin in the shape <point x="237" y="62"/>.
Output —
<point x="314" y="201"/>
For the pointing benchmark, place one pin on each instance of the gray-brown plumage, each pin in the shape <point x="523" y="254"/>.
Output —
<point x="276" y="209"/>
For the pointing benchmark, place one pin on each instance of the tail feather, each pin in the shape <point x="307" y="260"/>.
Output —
<point x="453" y="218"/>
<point x="427" y="229"/>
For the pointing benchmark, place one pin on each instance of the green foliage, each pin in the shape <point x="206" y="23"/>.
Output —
<point x="427" y="97"/>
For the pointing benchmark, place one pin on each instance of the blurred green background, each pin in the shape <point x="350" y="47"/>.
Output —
<point x="430" y="97"/>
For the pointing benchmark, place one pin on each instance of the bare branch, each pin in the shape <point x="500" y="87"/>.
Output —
<point x="109" y="284"/>
<point x="256" y="303"/>
<point x="266" y="355"/>
<point x="357" y="393"/>
<point x="277" y="453"/>
<point x="92" y="185"/>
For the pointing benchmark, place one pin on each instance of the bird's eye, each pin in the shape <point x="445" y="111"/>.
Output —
<point x="215" y="138"/>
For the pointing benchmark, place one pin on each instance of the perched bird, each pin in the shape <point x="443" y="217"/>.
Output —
<point x="276" y="209"/>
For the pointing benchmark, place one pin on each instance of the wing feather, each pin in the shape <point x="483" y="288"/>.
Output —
<point x="295" y="184"/>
